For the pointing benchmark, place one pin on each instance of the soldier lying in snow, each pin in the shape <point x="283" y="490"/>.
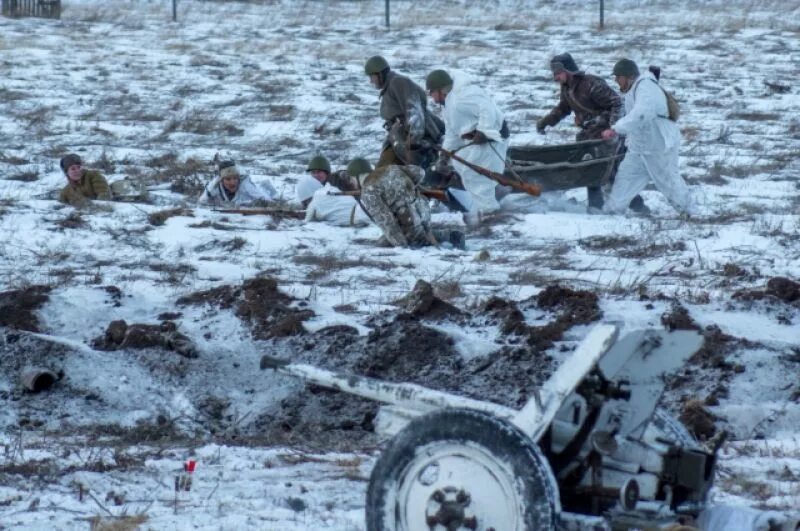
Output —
<point x="232" y="188"/>
<point x="327" y="203"/>
<point x="82" y="184"/>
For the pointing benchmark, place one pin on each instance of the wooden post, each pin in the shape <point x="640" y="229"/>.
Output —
<point x="387" y="13"/>
<point x="602" y="14"/>
<point x="174" y="10"/>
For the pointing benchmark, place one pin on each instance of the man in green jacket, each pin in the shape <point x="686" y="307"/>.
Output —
<point x="82" y="184"/>
<point x="411" y="128"/>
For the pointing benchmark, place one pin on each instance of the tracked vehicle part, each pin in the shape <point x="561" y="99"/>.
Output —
<point x="458" y="469"/>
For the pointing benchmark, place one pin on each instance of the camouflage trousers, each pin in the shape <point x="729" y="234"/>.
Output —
<point x="398" y="209"/>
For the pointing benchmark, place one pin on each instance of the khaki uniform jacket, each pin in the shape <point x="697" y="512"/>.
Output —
<point x="91" y="186"/>
<point x="588" y="97"/>
<point x="403" y="99"/>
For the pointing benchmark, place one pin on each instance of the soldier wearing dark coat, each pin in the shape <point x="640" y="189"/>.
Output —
<point x="596" y="107"/>
<point x="82" y="184"/>
<point x="410" y="126"/>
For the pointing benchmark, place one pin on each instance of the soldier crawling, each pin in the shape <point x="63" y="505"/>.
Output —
<point x="82" y="184"/>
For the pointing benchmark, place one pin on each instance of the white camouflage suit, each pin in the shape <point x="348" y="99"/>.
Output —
<point x="652" y="140"/>
<point x="247" y="193"/>
<point x="468" y="108"/>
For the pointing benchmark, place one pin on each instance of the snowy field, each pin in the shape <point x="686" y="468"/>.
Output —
<point x="272" y="84"/>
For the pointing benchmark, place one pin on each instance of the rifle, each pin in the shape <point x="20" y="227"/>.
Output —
<point x="440" y="194"/>
<point x="519" y="185"/>
<point x="282" y="212"/>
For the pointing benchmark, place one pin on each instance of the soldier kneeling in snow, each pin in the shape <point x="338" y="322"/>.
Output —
<point x="82" y="184"/>
<point x="391" y="196"/>
<point x="231" y="187"/>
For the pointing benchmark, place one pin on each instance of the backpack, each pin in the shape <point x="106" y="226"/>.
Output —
<point x="673" y="107"/>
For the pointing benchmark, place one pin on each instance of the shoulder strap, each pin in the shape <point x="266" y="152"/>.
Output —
<point x="666" y="98"/>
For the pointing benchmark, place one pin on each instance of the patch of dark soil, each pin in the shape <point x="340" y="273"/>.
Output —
<point x="222" y="296"/>
<point x="574" y="306"/>
<point x="571" y="307"/>
<point x="321" y="419"/>
<point x="120" y="335"/>
<point x="506" y="376"/>
<point x="268" y="312"/>
<point x="17" y="307"/>
<point x="698" y="420"/>
<point x="678" y="318"/>
<point x="407" y="350"/>
<point x="778" y="288"/>
<point x="421" y="302"/>
<point x="507" y="314"/>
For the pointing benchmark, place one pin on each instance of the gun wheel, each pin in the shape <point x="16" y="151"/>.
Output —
<point x="455" y="470"/>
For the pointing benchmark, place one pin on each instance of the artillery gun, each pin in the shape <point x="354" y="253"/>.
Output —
<point x="590" y="450"/>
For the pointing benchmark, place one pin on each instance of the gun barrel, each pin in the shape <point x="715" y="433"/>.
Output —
<point x="406" y="395"/>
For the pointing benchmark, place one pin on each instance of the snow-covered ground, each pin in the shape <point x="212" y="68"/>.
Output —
<point x="274" y="83"/>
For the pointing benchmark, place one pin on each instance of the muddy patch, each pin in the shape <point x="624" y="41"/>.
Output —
<point x="777" y="289"/>
<point x="268" y="312"/>
<point x="711" y="362"/>
<point x="119" y="335"/>
<point x="17" y="307"/>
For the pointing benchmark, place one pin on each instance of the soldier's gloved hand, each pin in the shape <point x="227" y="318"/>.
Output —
<point x="541" y="126"/>
<point x="479" y="138"/>
<point x="443" y="165"/>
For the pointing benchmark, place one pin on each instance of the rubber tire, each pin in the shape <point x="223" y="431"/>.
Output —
<point x="535" y="483"/>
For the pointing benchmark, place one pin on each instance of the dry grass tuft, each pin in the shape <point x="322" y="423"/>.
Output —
<point x="160" y="217"/>
<point x="119" y="523"/>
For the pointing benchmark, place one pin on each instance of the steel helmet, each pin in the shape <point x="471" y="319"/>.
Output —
<point x="319" y="163"/>
<point x="375" y="65"/>
<point x="625" y="68"/>
<point x="359" y="166"/>
<point x="437" y="80"/>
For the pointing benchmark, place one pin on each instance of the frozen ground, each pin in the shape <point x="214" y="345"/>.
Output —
<point x="274" y="83"/>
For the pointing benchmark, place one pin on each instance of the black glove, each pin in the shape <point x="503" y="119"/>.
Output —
<point x="540" y="126"/>
<point x="443" y="165"/>
<point x="476" y="137"/>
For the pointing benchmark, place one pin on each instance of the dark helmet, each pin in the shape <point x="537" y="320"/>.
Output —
<point x="375" y="65"/>
<point x="437" y="80"/>
<point x="319" y="163"/>
<point x="358" y="166"/>
<point x="70" y="160"/>
<point x="625" y="68"/>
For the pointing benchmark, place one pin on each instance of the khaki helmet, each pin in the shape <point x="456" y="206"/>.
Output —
<point x="437" y="80"/>
<point x="319" y="163"/>
<point x="625" y="68"/>
<point x="375" y="65"/>
<point x="359" y="166"/>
